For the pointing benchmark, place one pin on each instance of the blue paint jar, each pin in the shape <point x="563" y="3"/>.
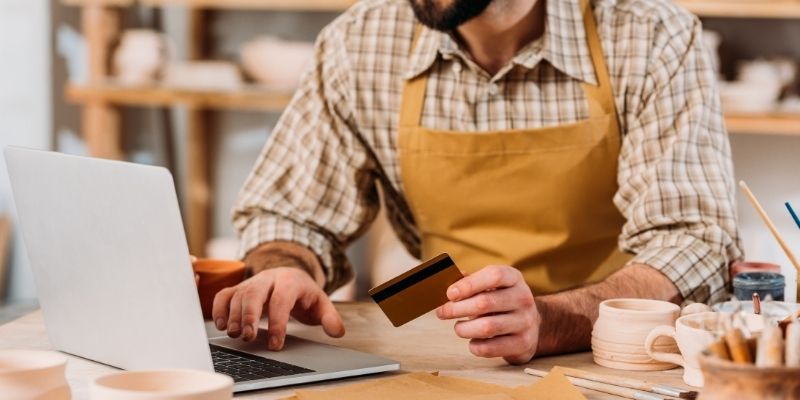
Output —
<point x="763" y="283"/>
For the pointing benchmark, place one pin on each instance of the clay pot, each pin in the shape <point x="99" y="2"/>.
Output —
<point x="174" y="384"/>
<point x="725" y="380"/>
<point x="214" y="275"/>
<point x="33" y="375"/>
<point x="619" y="334"/>
<point x="140" y="57"/>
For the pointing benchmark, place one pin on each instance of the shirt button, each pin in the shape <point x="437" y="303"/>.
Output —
<point x="493" y="89"/>
<point x="456" y="67"/>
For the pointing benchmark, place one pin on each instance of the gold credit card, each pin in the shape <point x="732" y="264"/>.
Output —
<point x="417" y="291"/>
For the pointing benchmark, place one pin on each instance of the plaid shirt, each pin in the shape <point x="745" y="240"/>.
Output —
<point x="315" y="182"/>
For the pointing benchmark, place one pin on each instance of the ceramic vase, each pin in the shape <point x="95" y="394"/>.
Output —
<point x="140" y="57"/>
<point x="33" y="375"/>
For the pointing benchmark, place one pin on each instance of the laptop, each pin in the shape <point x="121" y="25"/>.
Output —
<point x="111" y="265"/>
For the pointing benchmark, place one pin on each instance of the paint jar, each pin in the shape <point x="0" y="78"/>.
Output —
<point x="764" y="283"/>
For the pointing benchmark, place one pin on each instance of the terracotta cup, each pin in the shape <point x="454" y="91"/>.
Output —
<point x="170" y="384"/>
<point x="620" y="331"/>
<point x="694" y="333"/>
<point x="33" y="375"/>
<point x="214" y="275"/>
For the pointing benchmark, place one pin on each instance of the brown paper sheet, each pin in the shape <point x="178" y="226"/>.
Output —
<point x="422" y="385"/>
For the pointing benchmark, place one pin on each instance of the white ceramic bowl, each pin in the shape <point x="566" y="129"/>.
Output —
<point x="780" y="308"/>
<point x="276" y="62"/>
<point x="168" y="384"/>
<point x="749" y="97"/>
<point x="33" y="375"/>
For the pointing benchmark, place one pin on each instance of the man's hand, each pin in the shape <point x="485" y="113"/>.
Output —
<point x="278" y="293"/>
<point x="500" y="316"/>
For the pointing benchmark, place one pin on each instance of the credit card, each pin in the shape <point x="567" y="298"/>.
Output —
<point x="416" y="291"/>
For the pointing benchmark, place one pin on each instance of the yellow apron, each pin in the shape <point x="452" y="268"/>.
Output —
<point x="537" y="199"/>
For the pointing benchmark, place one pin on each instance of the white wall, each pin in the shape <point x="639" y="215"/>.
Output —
<point x="24" y="106"/>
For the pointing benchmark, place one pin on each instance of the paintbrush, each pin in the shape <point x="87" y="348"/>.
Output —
<point x="771" y="226"/>
<point x="794" y="215"/>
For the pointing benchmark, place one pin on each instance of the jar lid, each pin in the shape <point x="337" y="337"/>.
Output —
<point x="753" y="280"/>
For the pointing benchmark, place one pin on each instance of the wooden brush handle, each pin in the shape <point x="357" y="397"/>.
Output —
<point x="738" y="347"/>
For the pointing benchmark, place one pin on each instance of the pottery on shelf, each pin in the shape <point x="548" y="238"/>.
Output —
<point x="203" y="75"/>
<point x="33" y="375"/>
<point x="618" y="336"/>
<point x="274" y="62"/>
<point x="140" y="57"/>
<point x="168" y="384"/>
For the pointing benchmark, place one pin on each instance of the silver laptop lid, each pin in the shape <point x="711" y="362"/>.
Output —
<point x="110" y="260"/>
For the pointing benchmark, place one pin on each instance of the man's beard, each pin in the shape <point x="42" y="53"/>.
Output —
<point x="450" y="17"/>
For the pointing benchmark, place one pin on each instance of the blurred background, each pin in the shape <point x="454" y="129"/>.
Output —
<point x="197" y="85"/>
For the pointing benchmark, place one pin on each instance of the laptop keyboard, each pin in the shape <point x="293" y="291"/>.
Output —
<point x="248" y="367"/>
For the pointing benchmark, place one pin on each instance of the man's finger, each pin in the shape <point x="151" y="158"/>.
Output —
<point x="219" y="309"/>
<point x="331" y="321"/>
<point x="253" y="299"/>
<point x="501" y="346"/>
<point x="491" y="277"/>
<point x="280" y="305"/>
<point x="235" y="314"/>
<point x="480" y="304"/>
<point x="491" y="326"/>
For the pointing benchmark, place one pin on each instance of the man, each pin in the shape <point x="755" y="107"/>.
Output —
<point x="563" y="153"/>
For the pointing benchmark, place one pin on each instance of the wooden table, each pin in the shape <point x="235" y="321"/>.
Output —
<point x="425" y="344"/>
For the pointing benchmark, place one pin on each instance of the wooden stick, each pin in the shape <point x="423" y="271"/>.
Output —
<point x="629" y="383"/>
<point x="602" y="387"/>
<point x="770" y="225"/>
<point x="738" y="347"/>
<point x="720" y="349"/>
<point x="793" y="344"/>
<point x="756" y="304"/>
<point x="770" y="347"/>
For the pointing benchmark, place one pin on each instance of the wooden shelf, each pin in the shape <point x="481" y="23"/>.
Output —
<point x="248" y="98"/>
<point x="743" y="8"/>
<point x="288" y="5"/>
<point x="770" y="124"/>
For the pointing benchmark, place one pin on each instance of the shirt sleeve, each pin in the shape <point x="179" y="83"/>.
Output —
<point x="313" y="183"/>
<point x="675" y="174"/>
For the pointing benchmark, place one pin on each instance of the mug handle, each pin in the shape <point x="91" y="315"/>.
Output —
<point x="656" y="333"/>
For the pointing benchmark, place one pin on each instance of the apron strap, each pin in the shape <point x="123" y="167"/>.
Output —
<point x="600" y="97"/>
<point x="413" y="92"/>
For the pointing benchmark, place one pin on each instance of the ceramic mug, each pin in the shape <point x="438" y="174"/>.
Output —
<point x="693" y="333"/>
<point x="214" y="275"/>
<point x="170" y="384"/>
<point x="33" y="375"/>
<point x="619" y="334"/>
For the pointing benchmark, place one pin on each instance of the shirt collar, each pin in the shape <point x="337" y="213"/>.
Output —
<point x="563" y="45"/>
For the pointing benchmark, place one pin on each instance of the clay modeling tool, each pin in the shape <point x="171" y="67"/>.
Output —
<point x="630" y="383"/>
<point x="770" y="347"/>
<point x="794" y="215"/>
<point x="603" y="387"/>
<point x="770" y="225"/>
<point x="793" y="344"/>
<point x="756" y="304"/>
<point x="720" y="349"/>
<point x="738" y="347"/>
